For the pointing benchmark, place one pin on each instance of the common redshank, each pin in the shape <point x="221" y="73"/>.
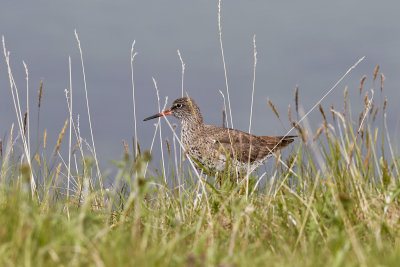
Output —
<point x="219" y="149"/>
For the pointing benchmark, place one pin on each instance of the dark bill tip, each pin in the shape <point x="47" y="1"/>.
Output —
<point x="164" y="113"/>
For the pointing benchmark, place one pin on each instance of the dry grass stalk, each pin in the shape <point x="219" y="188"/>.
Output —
<point x="366" y="162"/>
<point x="11" y="138"/>
<point x="382" y="80"/>
<point x="333" y="113"/>
<point x="362" y="82"/>
<point x="273" y="108"/>
<point x="371" y="109"/>
<point x="25" y="120"/>
<point x="125" y="146"/>
<point x="296" y="99"/>
<point x="1" y="148"/>
<point x="376" y="71"/>
<point x="345" y="101"/>
<point x="40" y="94"/>
<point x="44" y="139"/>
<point x="290" y="116"/>
<point x="60" y="136"/>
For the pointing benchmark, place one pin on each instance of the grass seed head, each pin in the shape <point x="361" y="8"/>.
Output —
<point x="384" y="105"/>
<point x="366" y="100"/>
<point x="323" y="115"/>
<point x="57" y="172"/>
<point x="382" y="80"/>
<point x="362" y="82"/>
<point x="168" y="147"/>
<point x="40" y="93"/>
<point x="60" y="136"/>
<point x="76" y="147"/>
<point x="376" y="71"/>
<point x="273" y="108"/>
<point x="318" y="132"/>
<point x="375" y="113"/>
<point x="25" y="121"/>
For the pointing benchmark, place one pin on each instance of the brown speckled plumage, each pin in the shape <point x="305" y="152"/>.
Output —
<point x="212" y="145"/>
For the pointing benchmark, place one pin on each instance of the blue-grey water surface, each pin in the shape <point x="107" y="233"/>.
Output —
<point x="305" y="43"/>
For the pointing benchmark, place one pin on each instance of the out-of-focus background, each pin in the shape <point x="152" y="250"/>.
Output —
<point x="305" y="43"/>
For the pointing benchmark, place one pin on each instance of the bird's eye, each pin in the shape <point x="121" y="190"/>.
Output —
<point x="178" y="105"/>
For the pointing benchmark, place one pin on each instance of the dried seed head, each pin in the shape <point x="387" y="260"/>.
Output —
<point x="60" y="136"/>
<point x="360" y="118"/>
<point x="366" y="100"/>
<point x="57" y="172"/>
<point x="375" y="113"/>
<point x="333" y="113"/>
<point x="384" y="105"/>
<point x="75" y="147"/>
<point x="323" y="115"/>
<point x="362" y="82"/>
<point x="1" y="148"/>
<point x="382" y="80"/>
<point x="25" y="121"/>
<point x="376" y="71"/>
<point x="40" y="93"/>
<point x="318" y="133"/>
<point x="273" y="108"/>
<point x="168" y="147"/>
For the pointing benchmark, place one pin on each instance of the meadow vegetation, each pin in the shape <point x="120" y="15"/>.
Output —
<point x="332" y="201"/>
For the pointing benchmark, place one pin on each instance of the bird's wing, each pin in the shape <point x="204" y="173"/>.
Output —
<point x="246" y="147"/>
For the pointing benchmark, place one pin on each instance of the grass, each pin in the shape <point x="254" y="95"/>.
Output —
<point x="333" y="201"/>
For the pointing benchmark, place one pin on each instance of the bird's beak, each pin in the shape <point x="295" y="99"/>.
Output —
<point x="164" y="113"/>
